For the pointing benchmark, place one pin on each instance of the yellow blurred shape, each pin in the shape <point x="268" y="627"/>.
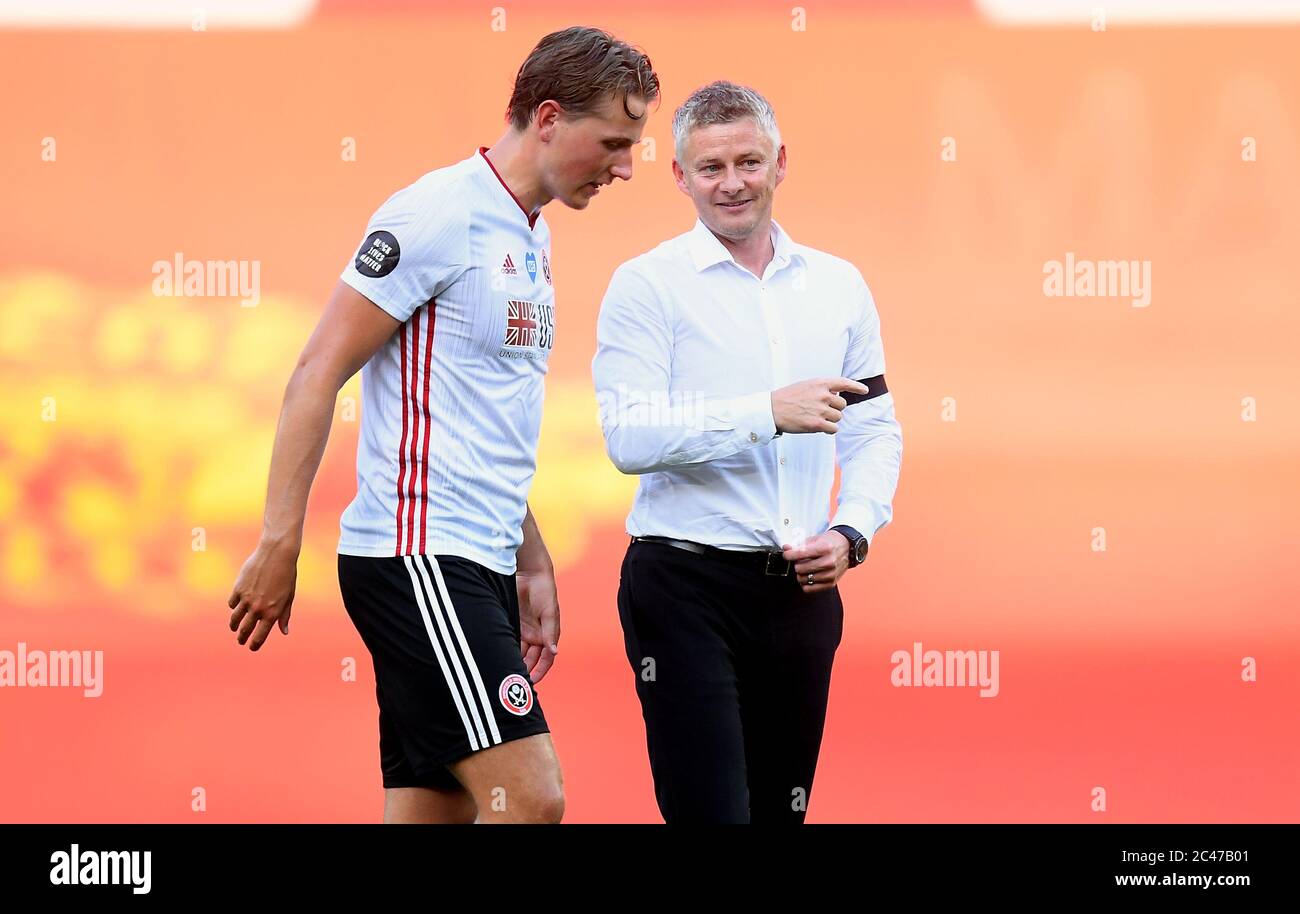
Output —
<point x="209" y="573"/>
<point x="188" y="394"/>
<point x="97" y="513"/>
<point x="25" y="435"/>
<point x="229" y="484"/>
<point x="27" y="307"/>
<point x="186" y="343"/>
<point x="265" y="341"/>
<point x="123" y="337"/>
<point x="204" y="414"/>
<point x="576" y="486"/>
<point x="24" y="557"/>
<point x="114" y="563"/>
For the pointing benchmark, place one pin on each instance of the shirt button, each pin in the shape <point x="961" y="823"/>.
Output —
<point x="786" y="521"/>
<point x="753" y="436"/>
<point x="782" y="461"/>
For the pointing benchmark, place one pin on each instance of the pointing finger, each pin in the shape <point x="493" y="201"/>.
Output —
<point x="851" y="385"/>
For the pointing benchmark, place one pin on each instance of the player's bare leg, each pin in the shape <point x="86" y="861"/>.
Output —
<point x="428" y="806"/>
<point x="515" y="782"/>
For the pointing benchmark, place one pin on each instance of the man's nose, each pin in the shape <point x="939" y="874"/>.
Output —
<point x="731" y="184"/>
<point x="623" y="167"/>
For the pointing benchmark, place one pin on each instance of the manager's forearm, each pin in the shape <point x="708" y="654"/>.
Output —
<point x="644" y="438"/>
<point x="300" y="438"/>
<point x="869" y="481"/>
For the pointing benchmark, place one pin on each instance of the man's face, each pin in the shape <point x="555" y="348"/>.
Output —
<point x="579" y="154"/>
<point x="730" y="171"/>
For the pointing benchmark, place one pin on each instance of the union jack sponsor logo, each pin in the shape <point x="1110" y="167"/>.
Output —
<point x="529" y="324"/>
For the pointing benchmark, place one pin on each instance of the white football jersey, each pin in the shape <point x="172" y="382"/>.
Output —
<point x="452" y="404"/>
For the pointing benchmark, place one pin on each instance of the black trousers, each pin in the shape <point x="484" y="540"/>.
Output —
<point x="733" y="669"/>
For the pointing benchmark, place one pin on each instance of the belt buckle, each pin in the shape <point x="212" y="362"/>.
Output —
<point x="767" y="565"/>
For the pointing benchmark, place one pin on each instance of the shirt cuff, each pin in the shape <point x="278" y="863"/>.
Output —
<point x="754" y="420"/>
<point x="859" y="518"/>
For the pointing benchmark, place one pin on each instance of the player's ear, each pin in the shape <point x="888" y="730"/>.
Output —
<point x="680" y="176"/>
<point x="546" y="119"/>
<point x="780" y="164"/>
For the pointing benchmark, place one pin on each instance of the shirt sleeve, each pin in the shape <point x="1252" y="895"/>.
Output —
<point x="647" y="426"/>
<point x="416" y="244"/>
<point x="869" y="442"/>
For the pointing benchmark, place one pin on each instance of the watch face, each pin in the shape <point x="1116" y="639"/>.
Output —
<point x="860" y="551"/>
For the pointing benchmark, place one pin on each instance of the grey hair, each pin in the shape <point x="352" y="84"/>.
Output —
<point x="721" y="103"/>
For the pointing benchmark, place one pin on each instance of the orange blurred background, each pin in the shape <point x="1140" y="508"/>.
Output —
<point x="1028" y="420"/>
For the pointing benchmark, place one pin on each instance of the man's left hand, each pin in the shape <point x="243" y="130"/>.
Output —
<point x="825" y="557"/>
<point x="539" y="621"/>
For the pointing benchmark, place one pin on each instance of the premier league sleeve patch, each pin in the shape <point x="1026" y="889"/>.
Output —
<point x="378" y="255"/>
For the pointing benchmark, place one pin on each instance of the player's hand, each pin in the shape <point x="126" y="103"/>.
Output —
<point x="539" y="621"/>
<point x="812" y="406"/>
<point x="263" y="593"/>
<point x="825" y="557"/>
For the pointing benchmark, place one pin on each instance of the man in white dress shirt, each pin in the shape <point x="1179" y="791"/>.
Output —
<point x="735" y="368"/>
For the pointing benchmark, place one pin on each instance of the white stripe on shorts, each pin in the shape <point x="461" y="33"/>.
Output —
<point x="423" y="562"/>
<point x="420" y="592"/>
<point x="469" y="658"/>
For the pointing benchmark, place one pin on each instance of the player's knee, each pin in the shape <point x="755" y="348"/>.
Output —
<point x="543" y="804"/>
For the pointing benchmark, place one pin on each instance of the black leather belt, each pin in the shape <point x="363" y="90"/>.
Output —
<point x="769" y="562"/>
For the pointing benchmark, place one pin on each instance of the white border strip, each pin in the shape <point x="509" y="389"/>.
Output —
<point x="156" y="14"/>
<point x="1138" y="12"/>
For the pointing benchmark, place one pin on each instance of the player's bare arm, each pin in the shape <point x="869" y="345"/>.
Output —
<point x="539" y="605"/>
<point x="351" y="329"/>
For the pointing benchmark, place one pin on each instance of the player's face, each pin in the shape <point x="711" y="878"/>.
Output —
<point x="730" y="171"/>
<point x="588" y="152"/>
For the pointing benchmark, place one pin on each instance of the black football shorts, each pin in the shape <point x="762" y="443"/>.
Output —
<point x="443" y="633"/>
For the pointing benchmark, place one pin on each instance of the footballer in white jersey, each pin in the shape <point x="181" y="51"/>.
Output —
<point x="452" y="404"/>
<point x="448" y="310"/>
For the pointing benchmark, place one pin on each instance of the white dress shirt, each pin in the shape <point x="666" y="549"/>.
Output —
<point x="690" y="346"/>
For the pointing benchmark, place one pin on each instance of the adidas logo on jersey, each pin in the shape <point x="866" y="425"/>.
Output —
<point x="508" y="267"/>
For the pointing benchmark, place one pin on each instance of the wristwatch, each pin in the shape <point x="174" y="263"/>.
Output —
<point x="857" y="544"/>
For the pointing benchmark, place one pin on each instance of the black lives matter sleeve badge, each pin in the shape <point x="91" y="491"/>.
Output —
<point x="378" y="255"/>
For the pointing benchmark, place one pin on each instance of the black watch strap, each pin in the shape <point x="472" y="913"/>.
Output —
<point x="857" y="543"/>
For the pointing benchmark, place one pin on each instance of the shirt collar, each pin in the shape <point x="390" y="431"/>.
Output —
<point x="706" y="250"/>
<point x="482" y="155"/>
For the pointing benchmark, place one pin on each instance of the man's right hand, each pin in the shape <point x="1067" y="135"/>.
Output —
<point x="812" y="406"/>
<point x="263" y="593"/>
<point x="349" y="332"/>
